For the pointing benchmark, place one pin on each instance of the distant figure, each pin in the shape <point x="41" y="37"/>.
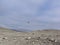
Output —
<point x="28" y="22"/>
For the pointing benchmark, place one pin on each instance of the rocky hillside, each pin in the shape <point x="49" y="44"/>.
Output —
<point x="44" y="37"/>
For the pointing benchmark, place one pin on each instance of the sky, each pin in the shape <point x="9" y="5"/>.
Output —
<point x="30" y="14"/>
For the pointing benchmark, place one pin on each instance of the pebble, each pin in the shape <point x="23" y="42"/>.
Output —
<point x="28" y="38"/>
<point x="4" y="38"/>
<point x="33" y="42"/>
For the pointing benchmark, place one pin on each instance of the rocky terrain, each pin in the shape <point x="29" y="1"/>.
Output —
<point x="44" y="37"/>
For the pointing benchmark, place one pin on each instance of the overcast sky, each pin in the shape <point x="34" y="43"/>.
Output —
<point x="42" y="14"/>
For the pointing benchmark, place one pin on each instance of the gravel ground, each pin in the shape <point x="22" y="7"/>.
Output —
<point x="47" y="37"/>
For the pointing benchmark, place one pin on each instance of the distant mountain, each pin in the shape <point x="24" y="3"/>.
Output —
<point x="21" y="30"/>
<point x="3" y="28"/>
<point x="18" y="30"/>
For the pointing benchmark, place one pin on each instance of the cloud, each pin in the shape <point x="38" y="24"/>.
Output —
<point x="41" y="13"/>
<point x="53" y="12"/>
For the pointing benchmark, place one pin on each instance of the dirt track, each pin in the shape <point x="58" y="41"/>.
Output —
<point x="47" y="37"/>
